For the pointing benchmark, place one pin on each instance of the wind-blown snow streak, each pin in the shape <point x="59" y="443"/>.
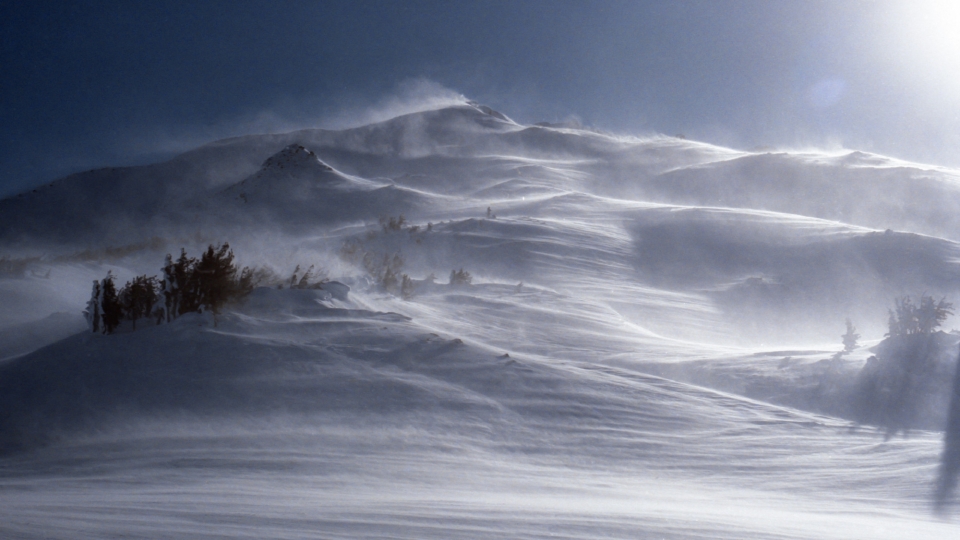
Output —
<point x="950" y="460"/>
<point x="646" y="350"/>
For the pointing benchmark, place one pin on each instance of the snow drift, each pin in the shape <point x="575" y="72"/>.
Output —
<point x="648" y="344"/>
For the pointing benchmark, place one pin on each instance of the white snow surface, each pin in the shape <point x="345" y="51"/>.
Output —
<point x="644" y="351"/>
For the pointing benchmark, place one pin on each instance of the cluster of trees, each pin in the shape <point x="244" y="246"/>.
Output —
<point x="907" y="383"/>
<point x="386" y="269"/>
<point x="390" y="223"/>
<point x="188" y="285"/>
<point x="460" y="277"/>
<point x="908" y="318"/>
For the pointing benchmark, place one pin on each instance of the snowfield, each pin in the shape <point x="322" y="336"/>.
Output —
<point x="647" y="348"/>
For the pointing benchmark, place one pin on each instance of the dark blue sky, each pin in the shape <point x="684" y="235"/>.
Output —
<point x="87" y="84"/>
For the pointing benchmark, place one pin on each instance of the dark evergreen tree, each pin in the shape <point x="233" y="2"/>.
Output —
<point x="247" y="281"/>
<point x="187" y="292"/>
<point x="111" y="311"/>
<point x="169" y="291"/>
<point x="216" y="277"/>
<point x="460" y="277"/>
<point x="293" y="278"/>
<point x="138" y="298"/>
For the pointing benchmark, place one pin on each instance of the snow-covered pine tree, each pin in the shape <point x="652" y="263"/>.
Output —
<point x="92" y="313"/>
<point x="169" y="291"/>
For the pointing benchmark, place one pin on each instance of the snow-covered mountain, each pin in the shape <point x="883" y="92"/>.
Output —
<point x="648" y="346"/>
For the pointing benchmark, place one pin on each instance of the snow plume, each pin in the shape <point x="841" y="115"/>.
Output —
<point x="168" y="140"/>
<point x="950" y="459"/>
<point x="411" y="96"/>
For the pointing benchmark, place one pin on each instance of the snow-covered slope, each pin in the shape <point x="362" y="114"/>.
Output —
<point x="855" y="188"/>
<point x="295" y="189"/>
<point x="647" y="348"/>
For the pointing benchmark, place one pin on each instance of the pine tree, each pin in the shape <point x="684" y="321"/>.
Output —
<point x="304" y="282"/>
<point x="850" y="338"/>
<point x="168" y="291"/>
<point x="216" y="276"/>
<point x="407" y="288"/>
<point x="389" y="280"/>
<point x="188" y="285"/>
<point x="110" y="309"/>
<point x="907" y="316"/>
<point x="893" y="327"/>
<point x="907" y="319"/>
<point x="293" y="278"/>
<point x="187" y="291"/>
<point x="931" y="315"/>
<point x="460" y="277"/>
<point x="247" y="281"/>
<point x="92" y="313"/>
<point x="138" y="298"/>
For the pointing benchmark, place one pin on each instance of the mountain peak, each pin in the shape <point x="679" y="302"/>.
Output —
<point x="488" y="111"/>
<point x="294" y="155"/>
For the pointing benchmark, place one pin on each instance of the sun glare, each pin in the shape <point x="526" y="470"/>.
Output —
<point x="931" y="38"/>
